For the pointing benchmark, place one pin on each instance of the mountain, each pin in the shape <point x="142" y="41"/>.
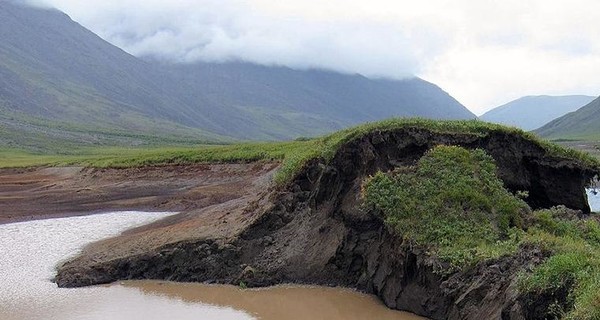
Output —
<point x="532" y="112"/>
<point x="583" y="124"/>
<point x="279" y="102"/>
<point x="62" y="84"/>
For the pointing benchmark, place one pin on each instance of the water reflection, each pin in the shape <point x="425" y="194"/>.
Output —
<point x="594" y="199"/>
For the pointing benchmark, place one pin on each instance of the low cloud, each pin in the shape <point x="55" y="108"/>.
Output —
<point x="484" y="53"/>
<point x="225" y="30"/>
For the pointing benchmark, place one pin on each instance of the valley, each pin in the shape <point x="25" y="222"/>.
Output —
<point x="299" y="219"/>
<point x="234" y="160"/>
<point x="62" y="86"/>
<point x="532" y="112"/>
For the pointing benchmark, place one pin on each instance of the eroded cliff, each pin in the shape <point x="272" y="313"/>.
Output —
<point x="315" y="231"/>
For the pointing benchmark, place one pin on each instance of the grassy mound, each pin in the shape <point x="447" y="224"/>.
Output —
<point x="327" y="146"/>
<point x="453" y="203"/>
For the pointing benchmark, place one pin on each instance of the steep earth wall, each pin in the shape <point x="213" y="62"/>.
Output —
<point x="316" y="232"/>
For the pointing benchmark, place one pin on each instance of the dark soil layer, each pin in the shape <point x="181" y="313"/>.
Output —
<point x="315" y="232"/>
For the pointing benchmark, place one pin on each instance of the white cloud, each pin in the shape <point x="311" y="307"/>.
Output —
<point x="509" y="49"/>
<point x="210" y="30"/>
<point x="484" y="52"/>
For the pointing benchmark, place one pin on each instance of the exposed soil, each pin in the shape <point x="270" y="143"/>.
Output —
<point x="315" y="231"/>
<point x="38" y="193"/>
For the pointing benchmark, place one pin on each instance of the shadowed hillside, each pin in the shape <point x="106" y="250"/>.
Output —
<point x="583" y="124"/>
<point x="62" y="86"/>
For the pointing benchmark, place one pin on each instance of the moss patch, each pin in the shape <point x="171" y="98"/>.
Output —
<point x="451" y="201"/>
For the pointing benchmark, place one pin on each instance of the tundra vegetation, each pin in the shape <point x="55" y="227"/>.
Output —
<point x="293" y="154"/>
<point x="452" y="202"/>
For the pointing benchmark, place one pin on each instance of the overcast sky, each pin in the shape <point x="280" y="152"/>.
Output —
<point x="483" y="52"/>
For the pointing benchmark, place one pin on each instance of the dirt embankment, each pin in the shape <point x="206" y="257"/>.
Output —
<point x="38" y="193"/>
<point x="315" y="232"/>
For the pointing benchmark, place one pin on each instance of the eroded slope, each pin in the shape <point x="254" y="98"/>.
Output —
<point x="315" y="231"/>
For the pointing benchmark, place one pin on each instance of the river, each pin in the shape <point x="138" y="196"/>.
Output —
<point x="594" y="199"/>
<point x="31" y="250"/>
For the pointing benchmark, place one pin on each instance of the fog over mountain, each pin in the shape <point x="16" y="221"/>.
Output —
<point x="61" y="82"/>
<point x="483" y="52"/>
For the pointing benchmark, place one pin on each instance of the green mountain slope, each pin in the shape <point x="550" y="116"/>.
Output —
<point x="279" y="102"/>
<point x="532" y="112"/>
<point x="61" y="83"/>
<point x="583" y="124"/>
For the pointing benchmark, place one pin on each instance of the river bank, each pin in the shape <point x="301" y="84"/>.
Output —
<point x="31" y="250"/>
<point x="38" y="193"/>
<point x="315" y="230"/>
<point x="311" y="225"/>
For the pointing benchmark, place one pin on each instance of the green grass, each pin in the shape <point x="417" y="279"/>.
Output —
<point x="294" y="154"/>
<point x="38" y="135"/>
<point x="248" y="152"/>
<point x="575" y="245"/>
<point x="16" y="158"/>
<point x="120" y="157"/>
<point x="452" y="202"/>
<point x="327" y="146"/>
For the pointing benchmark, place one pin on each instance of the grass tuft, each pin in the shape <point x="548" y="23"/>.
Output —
<point x="451" y="201"/>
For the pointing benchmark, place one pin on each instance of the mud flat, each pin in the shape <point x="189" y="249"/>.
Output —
<point x="36" y="193"/>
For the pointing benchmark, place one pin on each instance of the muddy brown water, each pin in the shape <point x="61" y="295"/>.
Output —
<point x="283" y="302"/>
<point x="30" y="251"/>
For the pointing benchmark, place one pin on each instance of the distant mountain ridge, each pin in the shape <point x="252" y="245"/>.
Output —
<point x="59" y="82"/>
<point x="311" y="101"/>
<point x="583" y="124"/>
<point x="532" y="112"/>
